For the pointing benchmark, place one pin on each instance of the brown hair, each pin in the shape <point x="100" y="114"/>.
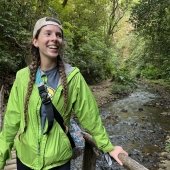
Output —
<point x="33" y="69"/>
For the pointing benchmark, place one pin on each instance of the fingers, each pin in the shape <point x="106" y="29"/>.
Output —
<point x="115" y="153"/>
<point x="119" y="161"/>
<point x="124" y="152"/>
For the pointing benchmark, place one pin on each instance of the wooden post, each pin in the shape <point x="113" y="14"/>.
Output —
<point x="11" y="164"/>
<point x="1" y="105"/>
<point x="89" y="158"/>
<point x="90" y="155"/>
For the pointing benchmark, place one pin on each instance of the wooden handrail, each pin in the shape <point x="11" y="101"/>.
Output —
<point x="91" y="153"/>
<point x="130" y="163"/>
<point x="1" y="104"/>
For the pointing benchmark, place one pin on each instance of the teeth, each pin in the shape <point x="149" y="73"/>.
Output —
<point x="53" y="47"/>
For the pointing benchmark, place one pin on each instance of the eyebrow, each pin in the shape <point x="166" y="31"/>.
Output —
<point x="59" y="32"/>
<point x="52" y="31"/>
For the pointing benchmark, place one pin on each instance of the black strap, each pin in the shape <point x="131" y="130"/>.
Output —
<point x="48" y="107"/>
<point x="52" y="113"/>
<point x="60" y="120"/>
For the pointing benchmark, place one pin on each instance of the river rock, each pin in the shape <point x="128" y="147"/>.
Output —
<point x="162" y="165"/>
<point x="165" y="113"/>
<point x="168" y="156"/>
<point x="140" y="109"/>
<point x="124" y="110"/>
<point x="161" y="158"/>
<point x="168" y="138"/>
<point x="164" y="154"/>
<point x="167" y="164"/>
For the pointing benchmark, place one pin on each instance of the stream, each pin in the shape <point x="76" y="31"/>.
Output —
<point x="136" y="126"/>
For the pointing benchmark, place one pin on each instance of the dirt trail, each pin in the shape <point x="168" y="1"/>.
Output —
<point x="103" y="92"/>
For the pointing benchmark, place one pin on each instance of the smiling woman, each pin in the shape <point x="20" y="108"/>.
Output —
<point x="42" y="142"/>
<point x="49" y="42"/>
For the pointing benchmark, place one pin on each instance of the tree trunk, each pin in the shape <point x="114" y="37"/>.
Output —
<point x="64" y="3"/>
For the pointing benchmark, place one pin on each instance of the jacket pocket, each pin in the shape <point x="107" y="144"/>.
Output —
<point x="58" y="147"/>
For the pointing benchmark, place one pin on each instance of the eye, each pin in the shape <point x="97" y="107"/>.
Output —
<point x="59" y="35"/>
<point x="48" y="33"/>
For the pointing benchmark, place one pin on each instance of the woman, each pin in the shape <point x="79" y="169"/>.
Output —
<point x="26" y="119"/>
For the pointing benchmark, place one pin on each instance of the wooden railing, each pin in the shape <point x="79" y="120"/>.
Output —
<point x="1" y="105"/>
<point x="90" y="152"/>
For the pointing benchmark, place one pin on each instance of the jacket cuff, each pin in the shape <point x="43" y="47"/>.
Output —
<point x="108" y="148"/>
<point x="2" y="164"/>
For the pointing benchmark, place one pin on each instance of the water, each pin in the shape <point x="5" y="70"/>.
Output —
<point x="136" y="126"/>
<point x="140" y="129"/>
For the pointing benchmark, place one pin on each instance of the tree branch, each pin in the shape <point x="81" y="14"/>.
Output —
<point x="116" y="15"/>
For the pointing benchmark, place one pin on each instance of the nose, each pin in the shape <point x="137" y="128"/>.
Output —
<point x="54" y="37"/>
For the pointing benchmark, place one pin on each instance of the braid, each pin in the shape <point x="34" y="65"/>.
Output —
<point x="33" y="68"/>
<point x="62" y="74"/>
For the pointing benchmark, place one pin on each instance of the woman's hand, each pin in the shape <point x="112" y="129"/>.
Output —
<point x="114" y="153"/>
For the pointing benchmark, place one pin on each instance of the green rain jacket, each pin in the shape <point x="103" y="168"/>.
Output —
<point x="39" y="151"/>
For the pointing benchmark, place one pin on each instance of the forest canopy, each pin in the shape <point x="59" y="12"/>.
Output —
<point x="104" y="38"/>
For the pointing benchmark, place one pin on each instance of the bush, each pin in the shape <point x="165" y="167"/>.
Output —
<point x="151" y="72"/>
<point x="91" y="55"/>
<point x="122" y="76"/>
<point x="121" y="89"/>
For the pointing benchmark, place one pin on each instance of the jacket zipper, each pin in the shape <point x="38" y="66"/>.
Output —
<point x="39" y="136"/>
<point x="38" y="147"/>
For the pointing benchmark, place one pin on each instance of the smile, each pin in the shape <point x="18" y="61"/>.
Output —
<point x="53" y="47"/>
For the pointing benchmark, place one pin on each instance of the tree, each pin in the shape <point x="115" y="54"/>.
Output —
<point x="87" y="28"/>
<point x="16" y="23"/>
<point x="151" y="20"/>
<point x="84" y="23"/>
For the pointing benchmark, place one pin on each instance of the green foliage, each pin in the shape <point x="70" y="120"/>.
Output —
<point x="86" y="28"/>
<point x="121" y="89"/>
<point x="92" y="55"/>
<point x="15" y="22"/>
<point x="122" y="76"/>
<point x="123" y="81"/>
<point x="151" y="20"/>
<point x="8" y="63"/>
<point x="137" y="55"/>
<point x="151" y="72"/>
<point x="84" y="23"/>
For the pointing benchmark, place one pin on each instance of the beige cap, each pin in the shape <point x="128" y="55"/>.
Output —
<point x="45" y="21"/>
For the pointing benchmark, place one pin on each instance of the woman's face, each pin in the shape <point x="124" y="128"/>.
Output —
<point x="49" y="41"/>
